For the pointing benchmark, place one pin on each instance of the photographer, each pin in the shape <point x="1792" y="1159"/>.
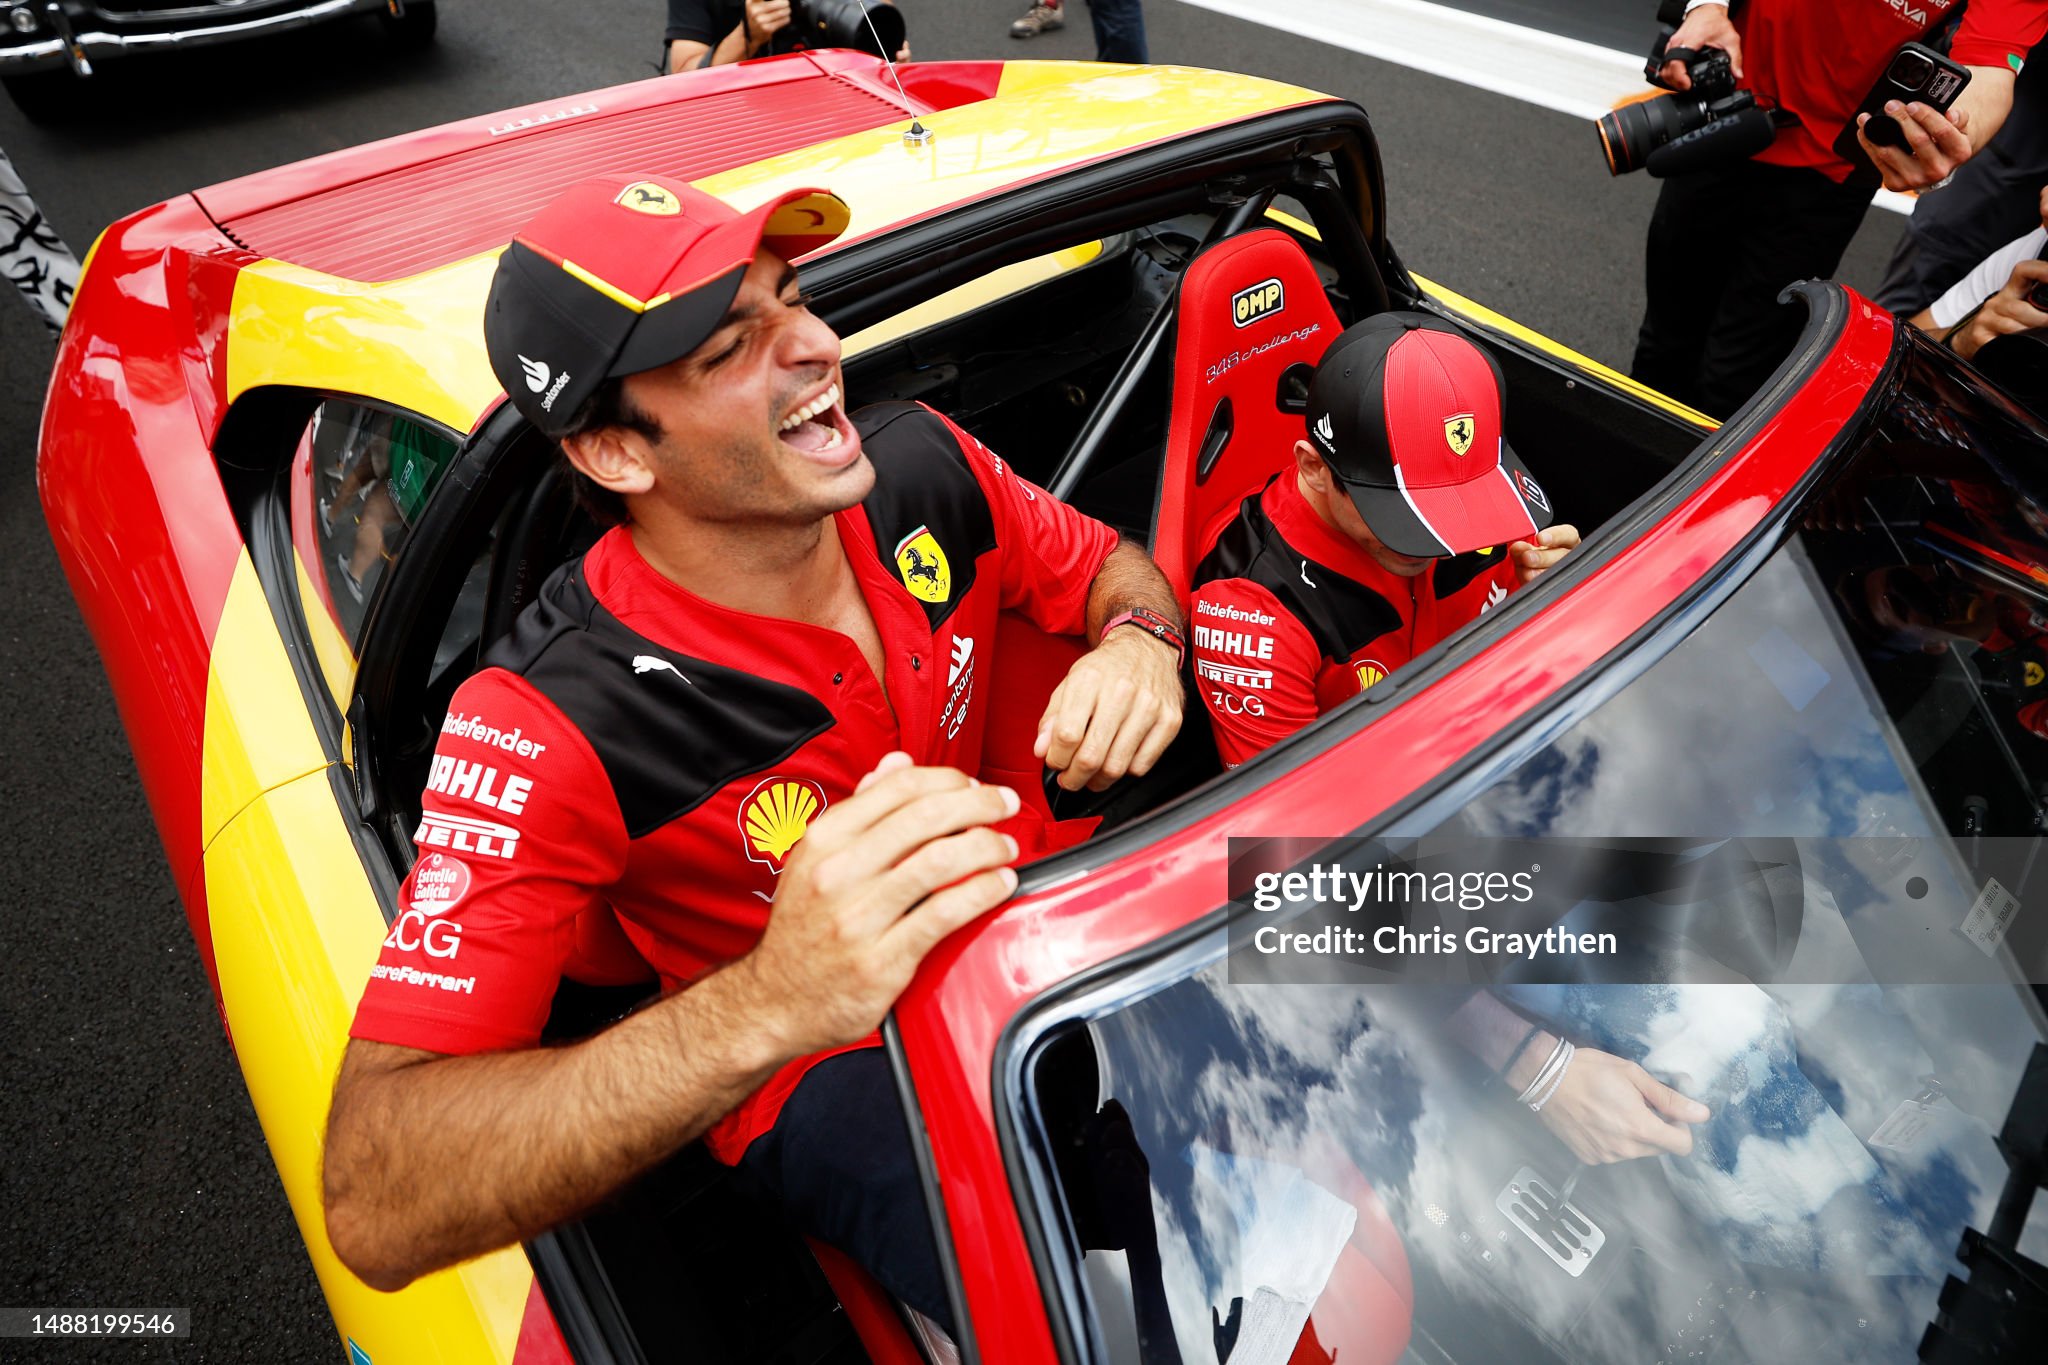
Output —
<point x="1724" y="240"/>
<point x="705" y="33"/>
<point x="1996" y="298"/>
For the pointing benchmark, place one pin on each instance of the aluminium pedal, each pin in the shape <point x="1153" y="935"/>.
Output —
<point x="1560" y="1230"/>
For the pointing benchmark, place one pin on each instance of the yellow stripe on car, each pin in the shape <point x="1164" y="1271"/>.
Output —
<point x="1486" y="317"/>
<point x="1052" y="123"/>
<point x="258" y="735"/>
<point x="416" y="343"/>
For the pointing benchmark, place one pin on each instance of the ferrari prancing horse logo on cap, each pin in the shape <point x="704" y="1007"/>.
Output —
<point x="1458" y="432"/>
<point x="923" y="566"/>
<point x="644" y="196"/>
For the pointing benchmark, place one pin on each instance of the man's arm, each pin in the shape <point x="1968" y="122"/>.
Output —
<point x="431" y="1160"/>
<point x="2008" y="310"/>
<point x="760" y="21"/>
<point x="1605" y="1109"/>
<point x="1120" y="704"/>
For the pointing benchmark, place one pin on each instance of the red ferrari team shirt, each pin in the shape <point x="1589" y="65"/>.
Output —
<point x="633" y="751"/>
<point x="1291" y="618"/>
<point x="1818" y="60"/>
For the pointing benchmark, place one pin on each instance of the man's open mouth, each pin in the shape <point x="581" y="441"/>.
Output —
<point x="818" y="427"/>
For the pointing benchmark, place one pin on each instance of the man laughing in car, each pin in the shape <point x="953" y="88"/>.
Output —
<point x="741" y="729"/>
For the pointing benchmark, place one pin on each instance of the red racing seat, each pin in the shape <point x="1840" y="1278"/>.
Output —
<point x="1251" y="306"/>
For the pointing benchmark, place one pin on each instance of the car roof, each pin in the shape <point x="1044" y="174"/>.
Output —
<point x="374" y="263"/>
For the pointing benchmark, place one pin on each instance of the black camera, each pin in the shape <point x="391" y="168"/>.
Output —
<point x="1629" y="135"/>
<point x="865" y="25"/>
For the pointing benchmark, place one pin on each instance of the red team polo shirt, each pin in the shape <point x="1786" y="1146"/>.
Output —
<point x="632" y="750"/>
<point x="1817" y="59"/>
<point x="1291" y="618"/>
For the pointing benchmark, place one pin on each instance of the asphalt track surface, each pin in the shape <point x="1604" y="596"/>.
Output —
<point x="132" y="1171"/>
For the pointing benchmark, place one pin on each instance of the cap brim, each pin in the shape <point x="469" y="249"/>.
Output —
<point x="1499" y="505"/>
<point x="790" y="225"/>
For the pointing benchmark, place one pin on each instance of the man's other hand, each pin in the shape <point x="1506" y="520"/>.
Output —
<point x="765" y="19"/>
<point x="1936" y="144"/>
<point x="1114" y="713"/>
<point x="1609" y="1109"/>
<point x="877" y="881"/>
<point x="2007" y="311"/>
<point x="1707" y="26"/>
<point x="1534" y="557"/>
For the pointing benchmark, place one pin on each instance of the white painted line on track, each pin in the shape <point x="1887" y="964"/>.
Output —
<point x="1583" y="80"/>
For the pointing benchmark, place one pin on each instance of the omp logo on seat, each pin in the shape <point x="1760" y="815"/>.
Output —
<point x="775" y="815"/>
<point x="645" y="197"/>
<point x="1262" y="299"/>
<point x="923" y="566"/>
<point x="536" y="374"/>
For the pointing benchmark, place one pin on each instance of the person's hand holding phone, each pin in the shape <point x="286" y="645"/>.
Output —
<point x="1934" y="145"/>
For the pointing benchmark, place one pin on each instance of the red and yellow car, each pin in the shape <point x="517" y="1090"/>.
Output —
<point x="294" y="508"/>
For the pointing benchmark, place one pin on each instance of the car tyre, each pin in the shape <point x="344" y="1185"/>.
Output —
<point x="45" y="96"/>
<point x="414" y="29"/>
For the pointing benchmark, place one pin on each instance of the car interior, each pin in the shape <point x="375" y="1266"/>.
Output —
<point x="1097" y="351"/>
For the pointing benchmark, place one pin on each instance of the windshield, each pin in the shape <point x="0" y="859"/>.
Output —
<point x="1241" y="1165"/>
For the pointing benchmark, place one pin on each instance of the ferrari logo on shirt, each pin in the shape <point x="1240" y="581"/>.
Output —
<point x="775" y="815"/>
<point x="923" y="566"/>
<point x="1458" y="433"/>
<point x="644" y="196"/>
<point x="1371" y="672"/>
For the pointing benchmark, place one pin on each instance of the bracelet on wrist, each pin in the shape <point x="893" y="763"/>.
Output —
<point x="1556" y="1080"/>
<point x="1154" y="625"/>
<point x="1542" y="1076"/>
<point x="1507" y="1068"/>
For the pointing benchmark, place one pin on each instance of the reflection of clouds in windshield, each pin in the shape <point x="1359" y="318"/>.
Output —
<point x="1255" y="1071"/>
<point x="1265" y="1071"/>
<point x="1706" y="743"/>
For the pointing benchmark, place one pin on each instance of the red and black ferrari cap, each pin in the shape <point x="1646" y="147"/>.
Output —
<point x="622" y="274"/>
<point x="1407" y="414"/>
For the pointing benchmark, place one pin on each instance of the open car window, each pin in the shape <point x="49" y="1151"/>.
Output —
<point x="1226" y="1160"/>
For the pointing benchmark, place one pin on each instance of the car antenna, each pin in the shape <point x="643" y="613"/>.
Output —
<point x="916" y="135"/>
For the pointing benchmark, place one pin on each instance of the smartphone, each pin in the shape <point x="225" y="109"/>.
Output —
<point x="2038" y="295"/>
<point x="1915" y="72"/>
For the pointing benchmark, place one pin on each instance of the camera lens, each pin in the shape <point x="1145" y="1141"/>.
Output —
<point x="1629" y="134"/>
<point x="1910" y="71"/>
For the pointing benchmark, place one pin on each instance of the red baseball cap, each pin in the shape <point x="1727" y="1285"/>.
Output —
<point x="621" y="274"/>
<point x="1407" y="413"/>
